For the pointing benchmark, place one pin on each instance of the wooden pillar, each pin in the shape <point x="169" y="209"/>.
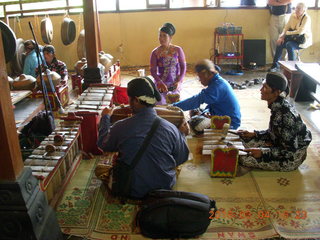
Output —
<point x="11" y="160"/>
<point x="92" y="74"/>
<point x="24" y="210"/>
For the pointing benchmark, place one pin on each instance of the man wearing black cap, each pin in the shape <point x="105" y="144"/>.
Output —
<point x="218" y="95"/>
<point x="283" y="146"/>
<point x="166" y="150"/>
<point x="53" y="63"/>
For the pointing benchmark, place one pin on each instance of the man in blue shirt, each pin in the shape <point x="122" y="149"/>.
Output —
<point x="167" y="148"/>
<point x="31" y="60"/>
<point x="219" y="96"/>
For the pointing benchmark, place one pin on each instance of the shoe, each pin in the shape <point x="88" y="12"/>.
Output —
<point x="274" y="68"/>
<point x="258" y="80"/>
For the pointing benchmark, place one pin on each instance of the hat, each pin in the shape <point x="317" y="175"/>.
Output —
<point x="144" y="89"/>
<point x="168" y="28"/>
<point x="277" y="80"/>
<point x="29" y="44"/>
<point x="49" y="49"/>
<point x="205" y="64"/>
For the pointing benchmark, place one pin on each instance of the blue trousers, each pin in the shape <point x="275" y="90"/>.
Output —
<point x="290" y="46"/>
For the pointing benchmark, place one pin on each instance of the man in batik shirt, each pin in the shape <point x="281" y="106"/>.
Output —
<point x="54" y="64"/>
<point x="283" y="146"/>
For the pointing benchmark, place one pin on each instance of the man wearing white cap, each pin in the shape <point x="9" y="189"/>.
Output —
<point x="167" y="147"/>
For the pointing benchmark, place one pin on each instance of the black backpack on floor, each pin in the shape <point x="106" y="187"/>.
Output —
<point x="175" y="214"/>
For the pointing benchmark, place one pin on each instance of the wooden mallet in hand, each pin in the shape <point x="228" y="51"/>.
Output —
<point x="224" y="131"/>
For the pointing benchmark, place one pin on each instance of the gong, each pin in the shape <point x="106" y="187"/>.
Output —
<point x="46" y="30"/>
<point x="81" y="48"/>
<point x="18" y="59"/>
<point x="68" y="31"/>
<point x="9" y="41"/>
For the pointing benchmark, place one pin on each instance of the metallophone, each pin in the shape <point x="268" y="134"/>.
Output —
<point x="224" y="148"/>
<point x="89" y="106"/>
<point x="58" y="156"/>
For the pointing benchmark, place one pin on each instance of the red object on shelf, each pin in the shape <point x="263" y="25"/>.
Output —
<point x="112" y="77"/>
<point x="235" y="50"/>
<point x="89" y="131"/>
<point x="62" y="93"/>
<point x="76" y="81"/>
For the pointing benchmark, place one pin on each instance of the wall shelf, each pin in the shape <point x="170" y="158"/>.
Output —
<point x="228" y="46"/>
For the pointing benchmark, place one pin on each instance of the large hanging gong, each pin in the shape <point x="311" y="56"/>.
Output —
<point x="68" y="31"/>
<point x="81" y="48"/>
<point x="18" y="60"/>
<point x="9" y="41"/>
<point x="46" y="30"/>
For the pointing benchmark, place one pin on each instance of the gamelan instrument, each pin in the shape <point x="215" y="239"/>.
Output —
<point x="57" y="157"/>
<point x="172" y="114"/>
<point x="89" y="106"/>
<point x="224" y="149"/>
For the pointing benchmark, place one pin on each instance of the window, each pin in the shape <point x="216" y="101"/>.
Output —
<point x="157" y="3"/>
<point x="132" y="5"/>
<point x="103" y="5"/>
<point x="13" y="8"/>
<point x="186" y="3"/>
<point x="75" y="3"/>
<point x="43" y="5"/>
<point x="309" y="3"/>
<point x="239" y="3"/>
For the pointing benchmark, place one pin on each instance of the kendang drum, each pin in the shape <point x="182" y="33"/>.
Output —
<point x="172" y="114"/>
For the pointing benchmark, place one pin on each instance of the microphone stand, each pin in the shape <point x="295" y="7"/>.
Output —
<point x="44" y="90"/>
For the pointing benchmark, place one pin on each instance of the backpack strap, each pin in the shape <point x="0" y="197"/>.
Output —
<point x="302" y="19"/>
<point x="146" y="142"/>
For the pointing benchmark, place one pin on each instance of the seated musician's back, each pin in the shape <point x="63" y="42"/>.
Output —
<point x="166" y="150"/>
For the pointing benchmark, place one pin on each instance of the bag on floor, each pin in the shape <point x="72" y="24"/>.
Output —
<point x="175" y="214"/>
<point x="41" y="124"/>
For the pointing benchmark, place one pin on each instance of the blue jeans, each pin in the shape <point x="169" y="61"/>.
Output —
<point x="290" y="46"/>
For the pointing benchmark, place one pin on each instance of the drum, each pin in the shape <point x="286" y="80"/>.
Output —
<point x="172" y="114"/>
<point x="24" y="82"/>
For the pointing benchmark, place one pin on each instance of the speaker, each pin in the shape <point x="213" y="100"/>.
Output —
<point x="254" y="50"/>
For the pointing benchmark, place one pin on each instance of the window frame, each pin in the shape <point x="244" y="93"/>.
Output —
<point x="149" y="7"/>
<point x="156" y="6"/>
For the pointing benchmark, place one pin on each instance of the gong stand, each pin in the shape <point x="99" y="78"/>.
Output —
<point x="24" y="211"/>
<point x="92" y="74"/>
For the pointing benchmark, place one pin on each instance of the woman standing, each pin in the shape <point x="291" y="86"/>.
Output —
<point x="167" y="64"/>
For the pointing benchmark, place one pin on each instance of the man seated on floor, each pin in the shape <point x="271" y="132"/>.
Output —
<point x="167" y="147"/>
<point x="283" y="146"/>
<point x="218" y="95"/>
<point x="53" y="64"/>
